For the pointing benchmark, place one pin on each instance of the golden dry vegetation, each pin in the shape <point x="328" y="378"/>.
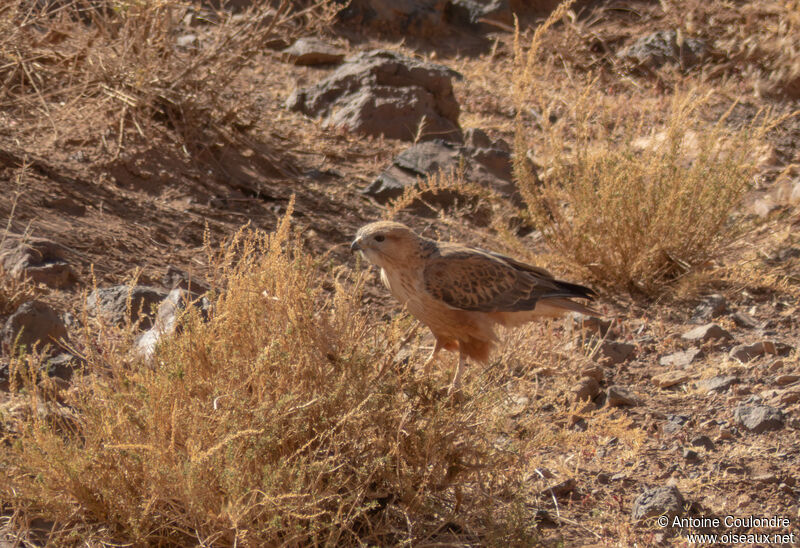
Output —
<point x="292" y="411"/>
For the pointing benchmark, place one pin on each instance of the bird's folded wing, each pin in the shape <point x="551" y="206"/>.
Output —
<point x="471" y="279"/>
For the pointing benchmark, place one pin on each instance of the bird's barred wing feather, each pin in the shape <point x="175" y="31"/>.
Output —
<point x="476" y="280"/>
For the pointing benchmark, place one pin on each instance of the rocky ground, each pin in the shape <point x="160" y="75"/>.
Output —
<point x="687" y="403"/>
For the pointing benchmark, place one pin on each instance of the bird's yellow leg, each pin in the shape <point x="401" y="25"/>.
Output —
<point x="431" y="358"/>
<point x="456" y="384"/>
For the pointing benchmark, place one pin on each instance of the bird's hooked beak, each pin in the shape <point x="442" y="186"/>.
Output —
<point x="354" y="246"/>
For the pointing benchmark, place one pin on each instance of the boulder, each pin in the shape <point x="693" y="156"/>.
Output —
<point x="41" y="260"/>
<point x="380" y="92"/>
<point x="112" y="303"/>
<point x="483" y="161"/>
<point x="34" y="324"/>
<point x="664" y="47"/>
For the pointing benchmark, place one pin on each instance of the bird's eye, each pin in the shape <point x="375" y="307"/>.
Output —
<point x="379" y="238"/>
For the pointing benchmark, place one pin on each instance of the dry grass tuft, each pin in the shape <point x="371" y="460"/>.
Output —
<point x="634" y="200"/>
<point x="284" y="418"/>
<point x="119" y="66"/>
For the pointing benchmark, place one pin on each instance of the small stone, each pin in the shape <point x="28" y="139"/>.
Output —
<point x="593" y="371"/>
<point x="586" y="389"/>
<point x="670" y="378"/>
<point x="619" y="396"/>
<point x="675" y="423"/>
<point x="783" y="380"/>
<point x="658" y="501"/>
<point x="681" y="360"/>
<point x="748" y="352"/>
<point x="759" y="418"/>
<point x="707" y="332"/>
<point x="704" y="442"/>
<point x="690" y="455"/>
<point x="717" y="384"/>
<point x="614" y="353"/>
<point x="743" y="320"/>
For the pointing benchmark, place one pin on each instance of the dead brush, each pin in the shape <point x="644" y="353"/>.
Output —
<point x="267" y="424"/>
<point x="118" y="65"/>
<point x="635" y="199"/>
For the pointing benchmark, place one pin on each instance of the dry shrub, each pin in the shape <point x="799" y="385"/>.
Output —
<point x="760" y="39"/>
<point x="282" y="419"/>
<point x="118" y="66"/>
<point x="633" y="199"/>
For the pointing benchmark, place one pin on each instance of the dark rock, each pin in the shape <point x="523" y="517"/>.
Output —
<point x="62" y="365"/>
<point x="420" y="18"/>
<point x="748" y="352"/>
<point x="112" y="303"/>
<point x="675" y="423"/>
<point x="690" y="455"/>
<point x="662" y="47"/>
<point x="681" y="360"/>
<point x="586" y="389"/>
<point x="619" y="396"/>
<point x="707" y="332"/>
<point x="719" y="384"/>
<point x="383" y="93"/>
<point x="43" y="261"/>
<point x="313" y="51"/>
<point x="614" y="353"/>
<point x="759" y="418"/>
<point x="658" y="501"/>
<point x="34" y="324"/>
<point x="704" y="442"/>
<point x="489" y="166"/>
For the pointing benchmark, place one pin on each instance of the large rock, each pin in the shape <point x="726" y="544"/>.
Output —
<point x="112" y="303"/>
<point x="662" y="47"/>
<point x="383" y="93"/>
<point x="483" y="161"/>
<point x="34" y="324"/>
<point x="759" y="418"/>
<point x="41" y="260"/>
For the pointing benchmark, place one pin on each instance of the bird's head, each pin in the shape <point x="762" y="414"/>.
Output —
<point x="384" y="243"/>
